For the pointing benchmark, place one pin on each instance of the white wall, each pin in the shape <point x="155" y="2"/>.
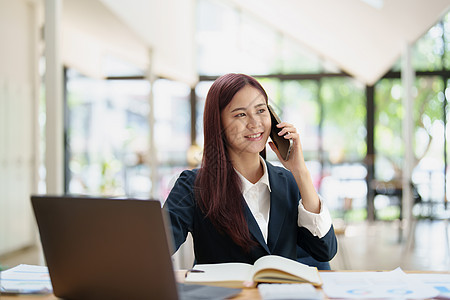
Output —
<point x="18" y="103"/>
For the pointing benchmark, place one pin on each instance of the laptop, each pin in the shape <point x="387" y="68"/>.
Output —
<point x="100" y="248"/>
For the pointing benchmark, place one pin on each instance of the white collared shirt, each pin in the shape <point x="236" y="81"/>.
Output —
<point x="257" y="197"/>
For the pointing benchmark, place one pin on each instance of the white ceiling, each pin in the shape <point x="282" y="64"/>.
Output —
<point x="168" y="28"/>
<point x="362" y="37"/>
<point x="91" y="32"/>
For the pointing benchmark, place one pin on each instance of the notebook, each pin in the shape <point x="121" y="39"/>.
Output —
<point x="99" y="248"/>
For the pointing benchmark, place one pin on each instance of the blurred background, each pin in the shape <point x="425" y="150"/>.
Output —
<point x="105" y="97"/>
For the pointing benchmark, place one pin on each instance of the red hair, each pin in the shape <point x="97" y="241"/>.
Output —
<point x="217" y="184"/>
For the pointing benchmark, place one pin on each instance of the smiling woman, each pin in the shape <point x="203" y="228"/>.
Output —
<point x="227" y="203"/>
<point x="246" y="124"/>
<point x="220" y="195"/>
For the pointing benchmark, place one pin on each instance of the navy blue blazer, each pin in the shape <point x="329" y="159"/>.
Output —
<point x="213" y="246"/>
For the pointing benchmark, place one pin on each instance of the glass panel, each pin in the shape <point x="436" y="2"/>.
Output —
<point x="344" y="124"/>
<point x="201" y="90"/>
<point x="427" y="52"/>
<point x="344" y="144"/>
<point x="172" y="131"/>
<point x="389" y="148"/>
<point x="388" y="129"/>
<point x="107" y="136"/>
<point x="428" y="173"/>
<point x="446" y="22"/>
<point x="447" y="138"/>
<point x="299" y="105"/>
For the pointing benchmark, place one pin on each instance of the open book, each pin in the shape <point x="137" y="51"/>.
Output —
<point x="270" y="268"/>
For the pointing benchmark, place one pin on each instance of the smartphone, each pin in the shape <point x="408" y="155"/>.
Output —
<point x="283" y="145"/>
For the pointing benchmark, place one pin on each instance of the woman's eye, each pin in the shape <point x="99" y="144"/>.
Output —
<point x="260" y="111"/>
<point x="240" y="115"/>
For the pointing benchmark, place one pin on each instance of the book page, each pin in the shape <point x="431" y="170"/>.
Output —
<point x="220" y="273"/>
<point x="290" y="266"/>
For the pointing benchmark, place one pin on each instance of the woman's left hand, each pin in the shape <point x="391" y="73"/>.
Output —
<point x="296" y="164"/>
<point x="296" y="159"/>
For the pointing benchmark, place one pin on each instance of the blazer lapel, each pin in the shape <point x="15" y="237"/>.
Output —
<point x="254" y="228"/>
<point x="277" y="199"/>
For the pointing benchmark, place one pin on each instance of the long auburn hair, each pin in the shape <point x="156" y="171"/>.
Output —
<point x="218" y="187"/>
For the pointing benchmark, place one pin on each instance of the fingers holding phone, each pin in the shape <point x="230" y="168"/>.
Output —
<point x="287" y="131"/>
<point x="285" y="142"/>
<point x="282" y="144"/>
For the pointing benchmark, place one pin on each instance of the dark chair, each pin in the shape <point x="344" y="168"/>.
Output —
<point x="305" y="258"/>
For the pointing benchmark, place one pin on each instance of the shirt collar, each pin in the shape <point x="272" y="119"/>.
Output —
<point x="247" y="185"/>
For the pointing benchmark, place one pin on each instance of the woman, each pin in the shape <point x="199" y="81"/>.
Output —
<point x="238" y="206"/>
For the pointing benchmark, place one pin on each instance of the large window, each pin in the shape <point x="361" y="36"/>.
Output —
<point x="344" y="144"/>
<point x="107" y="136"/>
<point x="429" y="164"/>
<point x="172" y="132"/>
<point x="108" y="150"/>
<point x="430" y="62"/>
<point x="108" y="120"/>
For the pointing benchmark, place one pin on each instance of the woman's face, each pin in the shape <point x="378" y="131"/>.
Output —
<point x="246" y="122"/>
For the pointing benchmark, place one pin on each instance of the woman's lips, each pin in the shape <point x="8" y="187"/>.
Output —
<point x="254" y="137"/>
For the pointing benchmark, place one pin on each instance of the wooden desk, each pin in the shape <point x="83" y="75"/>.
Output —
<point x="245" y="294"/>
<point x="248" y="293"/>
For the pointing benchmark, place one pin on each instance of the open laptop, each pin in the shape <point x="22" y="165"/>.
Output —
<point x="98" y="248"/>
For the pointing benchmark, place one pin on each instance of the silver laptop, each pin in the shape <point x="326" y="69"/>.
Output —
<point x="98" y="248"/>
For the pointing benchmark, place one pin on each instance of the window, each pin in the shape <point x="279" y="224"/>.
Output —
<point x="107" y="136"/>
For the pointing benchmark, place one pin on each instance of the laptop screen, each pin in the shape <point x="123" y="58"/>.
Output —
<point x="99" y="248"/>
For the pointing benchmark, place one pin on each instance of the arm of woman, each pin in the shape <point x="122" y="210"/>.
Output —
<point x="296" y="164"/>
<point x="322" y="249"/>
<point x="316" y="233"/>
<point x="180" y="206"/>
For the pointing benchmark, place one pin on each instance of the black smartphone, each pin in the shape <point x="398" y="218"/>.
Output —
<point x="283" y="145"/>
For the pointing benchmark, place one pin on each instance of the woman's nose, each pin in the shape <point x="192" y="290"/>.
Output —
<point x="253" y="122"/>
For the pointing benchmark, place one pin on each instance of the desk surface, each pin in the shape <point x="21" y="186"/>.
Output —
<point x="247" y="293"/>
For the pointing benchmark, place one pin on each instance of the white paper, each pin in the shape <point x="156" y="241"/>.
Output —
<point x="440" y="282"/>
<point x="370" y="285"/>
<point x="26" y="279"/>
<point x="291" y="291"/>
